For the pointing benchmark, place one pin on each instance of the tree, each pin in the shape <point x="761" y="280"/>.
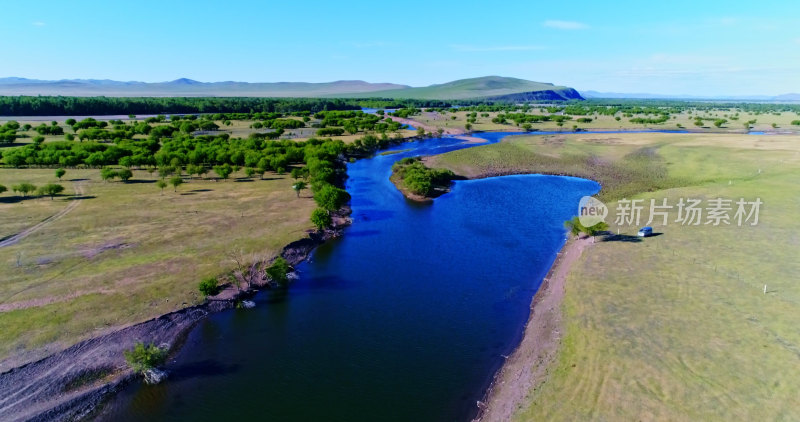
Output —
<point x="224" y="170"/>
<point x="161" y="185"/>
<point x="300" y="185"/>
<point x="468" y="127"/>
<point x="107" y="173"/>
<point x="24" y="188"/>
<point x="249" y="172"/>
<point x="51" y="190"/>
<point x="296" y="173"/>
<point x="60" y="173"/>
<point x="175" y="182"/>
<point x="142" y="358"/>
<point x="125" y="174"/>
<point x="420" y="131"/>
<point x="3" y="188"/>
<point x="209" y="286"/>
<point x="330" y="197"/>
<point x="321" y="218"/>
<point x="278" y="271"/>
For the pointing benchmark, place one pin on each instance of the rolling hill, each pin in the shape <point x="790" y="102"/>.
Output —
<point x="488" y="87"/>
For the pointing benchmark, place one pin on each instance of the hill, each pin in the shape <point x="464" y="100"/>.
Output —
<point x="487" y="87"/>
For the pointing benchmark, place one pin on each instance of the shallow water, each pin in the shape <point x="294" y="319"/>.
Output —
<point x="406" y="317"/>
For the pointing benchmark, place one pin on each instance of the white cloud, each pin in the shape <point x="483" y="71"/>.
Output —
<point x="474" y="48"/>
<point x="569" y="25"/>
<point x="37" y="23"/>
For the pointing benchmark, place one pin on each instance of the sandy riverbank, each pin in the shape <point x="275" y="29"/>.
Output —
<point x="528" y="366"/>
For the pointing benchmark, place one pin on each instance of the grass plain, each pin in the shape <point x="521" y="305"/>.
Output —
<point x="127" y="252"/>
<point x="764" y="122"/>
<point x="675" y="327"/>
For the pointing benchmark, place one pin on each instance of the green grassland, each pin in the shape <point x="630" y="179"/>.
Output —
<point x="764" y="122"/>
<point x="127" y="252"/>
<point x="676" y="327"/>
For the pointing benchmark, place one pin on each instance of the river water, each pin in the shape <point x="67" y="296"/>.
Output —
<point x="405" y="318"/>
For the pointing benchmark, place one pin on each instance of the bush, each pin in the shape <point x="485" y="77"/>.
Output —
<point x="141" y="357"/>
<point x="321" y="218"/>
<point x="209" y="286"/>
<point x="278" y="271"/>
<point x="796" y="122"/>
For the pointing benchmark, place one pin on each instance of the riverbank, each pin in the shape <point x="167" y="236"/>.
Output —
<point x="91" y="371"/>
<point x="527" y="367"/>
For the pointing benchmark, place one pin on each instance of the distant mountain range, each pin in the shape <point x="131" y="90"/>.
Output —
<point x="185" y="88"/>
<point x="488" y="87"/>
<point x="766" y="98"/>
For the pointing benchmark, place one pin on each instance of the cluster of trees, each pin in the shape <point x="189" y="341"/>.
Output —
<point x="76" y="106"/>
<point x="663" y="118"/>
<point x="50" y="189"/>
<point x="419" y="179"/>
<point x="52" y="129"/>
<point x="353" y="122"/>
<point x="8" y="132"/>
<point x="406" y="112"/>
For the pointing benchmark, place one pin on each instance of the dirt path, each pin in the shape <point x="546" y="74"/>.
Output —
<point x="29" y="231"/>
<point x="528" y="365"/>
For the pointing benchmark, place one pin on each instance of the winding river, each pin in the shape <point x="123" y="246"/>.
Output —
<point x="406" y="317"/>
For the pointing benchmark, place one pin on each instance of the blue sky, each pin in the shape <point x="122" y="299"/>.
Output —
<point x="676" y="47"/>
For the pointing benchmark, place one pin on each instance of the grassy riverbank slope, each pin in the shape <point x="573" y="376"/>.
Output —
<point x="676" y="327"/>
<point x="127" y="253"/>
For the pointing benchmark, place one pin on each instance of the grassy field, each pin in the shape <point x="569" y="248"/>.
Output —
<point x="676" y="327"/>
<point x="127" y="252"/>
<point x="763" y="122"/>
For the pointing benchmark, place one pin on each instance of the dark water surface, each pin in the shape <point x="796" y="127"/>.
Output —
<point x="405" y="318"/>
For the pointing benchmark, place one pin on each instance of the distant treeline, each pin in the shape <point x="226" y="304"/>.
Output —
<point x="79" y="106"/>
<point x="76" y="106"/>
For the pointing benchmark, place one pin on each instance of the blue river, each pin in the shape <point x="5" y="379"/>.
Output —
<point x="405" y="318"/>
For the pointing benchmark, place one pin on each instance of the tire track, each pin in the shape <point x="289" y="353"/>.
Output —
<point x="13" y="239"/>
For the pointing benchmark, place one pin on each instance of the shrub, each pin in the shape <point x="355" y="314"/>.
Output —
<point x="209" y="286"/>
<point x="141" y="357"/>
<point x="321" y="218"/>
<point x="278" y="271"/>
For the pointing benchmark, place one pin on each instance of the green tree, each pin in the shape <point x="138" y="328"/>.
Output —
<point x="278" y="271"/>
<point x="60" y="173"/>
<point x="3" y="188"/>
<point x="298" y="186"/>
<point x="24" y="188"/>
<point x="161" y="185"/>
<point x="107" y="173"/>
<point x="321" y="218"/>
<point x="175" y="182"/>
<point x="224" y="170"/>
<point x="420" y="131"/>
<point x="249" y="172"/>
<point x="330" y="197"/>
<point x="51" y="190"/>
<point x="209" y="286"/>
<point x="468" y="127"/>
<point x="142" y="358"/>
<point x="125" y="174"/>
